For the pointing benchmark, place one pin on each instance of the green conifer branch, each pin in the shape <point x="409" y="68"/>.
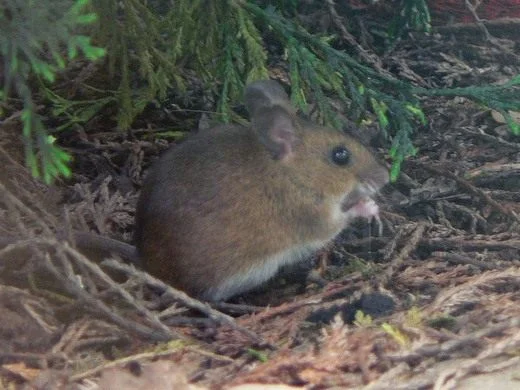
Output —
<point x="502" y="98"/>
<point x="222" y="42"/>
<point x="138" y="54"/>
<point x="38" y="40"/>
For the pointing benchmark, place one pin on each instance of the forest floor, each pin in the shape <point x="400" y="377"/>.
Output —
<point x="431" y="303"/>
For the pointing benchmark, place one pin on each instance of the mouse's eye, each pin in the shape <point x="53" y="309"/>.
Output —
<point x="341" y="155"/>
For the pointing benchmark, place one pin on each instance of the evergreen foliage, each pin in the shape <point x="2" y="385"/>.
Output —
<point x="223" y="43"/>
<point x="216" y="39"/>
<point x="33" y="40"/>
<point x="502" y="98"/>
<point x="152" y="47"/>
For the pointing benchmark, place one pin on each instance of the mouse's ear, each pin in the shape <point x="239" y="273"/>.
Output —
<point x="264" y="94"/>
<point x="272" y="117"/>
<point x="276" y="130"/>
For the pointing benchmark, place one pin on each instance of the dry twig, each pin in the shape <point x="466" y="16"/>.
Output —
<point x="413" y="240"/>
<point x="186" y="300"/>
<point x="454" y="345"/>
<point x="471" y="189"/>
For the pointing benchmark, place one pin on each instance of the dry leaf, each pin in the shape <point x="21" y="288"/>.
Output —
<point x="22" y="370"/>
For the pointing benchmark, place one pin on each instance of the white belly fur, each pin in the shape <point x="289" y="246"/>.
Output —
<point x="260" y="272"/>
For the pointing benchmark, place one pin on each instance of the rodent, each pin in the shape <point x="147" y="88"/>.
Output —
<point x="220" y="213"/>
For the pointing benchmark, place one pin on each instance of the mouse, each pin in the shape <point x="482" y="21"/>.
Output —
<point x="220" y="213"/>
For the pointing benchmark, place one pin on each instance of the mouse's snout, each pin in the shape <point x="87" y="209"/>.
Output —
<point x="359" y="202"/>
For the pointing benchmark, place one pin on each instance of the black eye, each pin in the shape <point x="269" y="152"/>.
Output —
<point x="341" y="155"/>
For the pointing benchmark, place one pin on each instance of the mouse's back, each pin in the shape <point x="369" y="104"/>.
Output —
<point x="220" y="213"/>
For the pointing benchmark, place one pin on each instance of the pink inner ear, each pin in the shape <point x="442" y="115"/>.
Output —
<point x="285" y="138"/>
<point x="277" y="131"/>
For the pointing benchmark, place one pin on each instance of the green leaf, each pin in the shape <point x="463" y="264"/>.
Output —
<point x="393" y="151"/>
<point x="362" y="320"/>
<point x="45" y="69"/>
<point x="78" y="7"/>
<point x="515" y="80"/>
<point x="396" y="334"/>
<point x="395" y="169"/>
<point x="86" y="18"/>
<point x="261" y="356"/>
<point x="60" y="163"/>
<point x="32" y="164"/>
<point x="27" y="115"/>
<point x="47" y="175"/>
<point x="72" y="51"/>
<point x="380" y="110"/>
<point x="62" y="155"/>
<point x="91" y="52"/>
<point x="514" y="126"/>
<point x="94" y="53"/>
<point x="417" y="112"/>
<point x="59" y="61"/>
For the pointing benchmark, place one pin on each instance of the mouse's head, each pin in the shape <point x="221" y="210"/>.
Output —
<point x="334" y="167"/>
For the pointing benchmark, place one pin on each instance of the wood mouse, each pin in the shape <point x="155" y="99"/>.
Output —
<point x="220" y="213"/>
